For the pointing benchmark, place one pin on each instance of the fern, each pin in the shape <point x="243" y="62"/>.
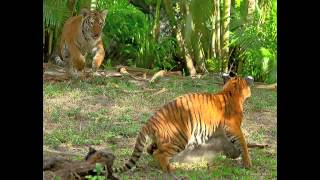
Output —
<point x="55" y="12"/>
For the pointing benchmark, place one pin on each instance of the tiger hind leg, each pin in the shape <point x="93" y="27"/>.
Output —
<point x="163" y="154"/>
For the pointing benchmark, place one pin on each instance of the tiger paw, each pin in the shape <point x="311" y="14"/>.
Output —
<point x="247" y="165"/>
<point x="171" y="168"/>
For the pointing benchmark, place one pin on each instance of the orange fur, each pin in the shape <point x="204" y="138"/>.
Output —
<point x="192" y="119"/>
<point x="82" y="34"/>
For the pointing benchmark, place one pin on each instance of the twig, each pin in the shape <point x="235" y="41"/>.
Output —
<point x="137" y="78"/>
<point x="124" y="71"/>
<point x="157" y="75"/>
<point x="161" y="91"/>
<point x="142" y="91"/>
<point x="251" y="145"/>
<point x="115" y="74"/>
<point x="62" y="153"/>
<point x="267" y="86"/>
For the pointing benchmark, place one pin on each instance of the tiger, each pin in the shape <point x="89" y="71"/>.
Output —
<point x="82" y="34"/>
<point x="192" y="119"/>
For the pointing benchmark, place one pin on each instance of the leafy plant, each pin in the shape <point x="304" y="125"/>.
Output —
<point x="258" y="41"/>
<point x="99" y="170"/>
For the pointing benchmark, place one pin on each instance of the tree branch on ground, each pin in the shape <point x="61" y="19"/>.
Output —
<point x="253" y="145"/>
<point x="67" y="169"/>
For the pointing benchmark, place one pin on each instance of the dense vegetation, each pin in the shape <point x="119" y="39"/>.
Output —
<point x="194" y="36"/>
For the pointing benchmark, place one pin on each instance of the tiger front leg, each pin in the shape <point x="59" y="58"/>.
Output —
<point x="237" y="134"/>
<point x="98" y="58"/>
<point x="76" y="62"/>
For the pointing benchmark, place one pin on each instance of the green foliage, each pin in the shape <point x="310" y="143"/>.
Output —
<point x="130" y="38"/>
<point x="99" y="169"/>
<point x="212" y="64"/>
<point x="259" y="43"/>
<point x="129" y="30"/>
<point x="125" y="27"/>
<point x="55" y="12"/>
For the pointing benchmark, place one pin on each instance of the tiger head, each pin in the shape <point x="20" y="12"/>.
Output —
<point x="93" y="23"/>
<point x="238" y="85"/>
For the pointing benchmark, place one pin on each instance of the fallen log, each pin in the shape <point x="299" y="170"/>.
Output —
<point x="71" y="170"/>
<point x="252" y="145"/>
<point x="267" y="86"/>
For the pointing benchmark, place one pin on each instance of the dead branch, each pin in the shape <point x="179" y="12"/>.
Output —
<point x="71" y="170"/>
<point x="142" y="91"/>
<point x="268" y="86"/>
<point x="137" y="78"/>
<point x="114" y="74"/>
<point x="157" y="75"/>
<point x="61" y="153"/>
<point x="161" y="91"/>
<point x="123" y="71"/>
<point x="134" y="69"/>
<point x="252" y="145"/>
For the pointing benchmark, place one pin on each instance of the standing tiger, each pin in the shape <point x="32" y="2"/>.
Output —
<point x="191" y="120"/>
<point x="82" y="34"/>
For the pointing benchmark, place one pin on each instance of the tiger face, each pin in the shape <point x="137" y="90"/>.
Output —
<point x="93" y="23"/>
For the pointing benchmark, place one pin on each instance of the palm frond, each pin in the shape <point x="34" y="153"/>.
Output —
<point x="55" y="12"/>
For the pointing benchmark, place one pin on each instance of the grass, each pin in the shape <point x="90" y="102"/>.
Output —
<point x="100" y="113"/>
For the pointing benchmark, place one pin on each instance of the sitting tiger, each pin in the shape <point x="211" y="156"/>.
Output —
<point x="192" y="119"/>
<point x="82" y="34"/>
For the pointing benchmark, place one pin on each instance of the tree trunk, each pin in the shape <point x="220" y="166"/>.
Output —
<point x="213" y="48"/>
<point x="202" y="64"/>
<point x="217" y="30"/>
<point x="182" y="38"/>
<point x="186" y="53"/>
<point x="247" y="9"/>
<point x="233" y="9"/>
<point x="156" y="26"/>
<point x="251" y="4"/>
<point x="225" y="34"/>
<point x="93" y="5"/>
<point x="199" y="55"/>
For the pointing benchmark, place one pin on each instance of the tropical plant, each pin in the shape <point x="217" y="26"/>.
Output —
<point x="212" y="36"/>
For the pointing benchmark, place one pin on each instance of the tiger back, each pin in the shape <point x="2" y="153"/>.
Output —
<point x="191" y="120"/>
<point x="81" y="35"/>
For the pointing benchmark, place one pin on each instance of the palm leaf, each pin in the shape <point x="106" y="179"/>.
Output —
<point x="55" y="12"/>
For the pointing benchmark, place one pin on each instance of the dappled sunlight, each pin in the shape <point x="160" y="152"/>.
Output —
<point x="191" y="166"/>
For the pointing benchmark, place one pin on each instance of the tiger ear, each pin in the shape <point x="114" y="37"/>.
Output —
<point x="92" y="150"/>
<point x="249" y="80"/>
<point x="104" y="14"/>
<point x="225" y="77"/>
<point x="84" y="12"/>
